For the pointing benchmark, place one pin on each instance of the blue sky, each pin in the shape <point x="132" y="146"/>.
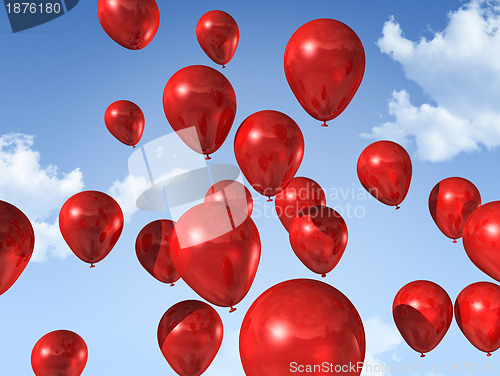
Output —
<point x="431" y="83"/>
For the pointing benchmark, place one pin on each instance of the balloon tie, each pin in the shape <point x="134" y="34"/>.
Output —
<point x="323" y="275"/>
<point x="223" y="66"/>
<point x="172" y="284"/>
<point x="454" y="240"/>
<point x="208" y="157"/>
<point x="232" y="309"/>
<point x="133" y="147"/>
<point x="423" y="355"/>
<point x="324" y="124"/>
<point x="92" y="265"/>
<point x="269" y="199"/>
<point x="397" y="207"/>
<point x="489" y="354"/>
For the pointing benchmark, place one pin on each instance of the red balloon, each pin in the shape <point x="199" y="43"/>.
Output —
<point x="318" y="237"/>
<point x="130" y="23"/>
<point x="451" y="202"/>
<point x="216" y="250"/>
<point x="125" y="121"/>
<point x="189" y="335"/>
<point x="91" y="223"/>
<point x="423" y="312"/>
<point x="302" y="322"/>
<point x="233" y="194"/>
<point x="218" y="35"/>
<point x="384" y="170"/>
<point x="481" y="238"/>
<point x="200" y="105"/>
<point x="324" y="66"/>
<point x="59" y="353"/>
<point x="17" y="241"/>
<point x="152" y="247"/>
<point x="477" y="311"/>
<point x="269" y="147"/>
<point x="299" y="194"/>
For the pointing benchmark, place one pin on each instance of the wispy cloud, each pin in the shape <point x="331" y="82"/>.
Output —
<point x="381" y="339"/>
<point x="36" y="190"/>
<point x="459" y="70"/>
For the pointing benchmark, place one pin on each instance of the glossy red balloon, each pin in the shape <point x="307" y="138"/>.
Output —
<point x="130" y="23"/>
<point x="318" y="237"/>
<point x="216" y="250"/>
<point x="299" y="194"/>
<point x="200" y="105"/>
<point x="125" y="121"/>
<point x="269" y="147"/>
<point x="59" y="353"/>
<point x="423" y="312"/>
<point x="17" y="241"/>
<point x="451" y="202"/>
<point x="384" y="170"/>
<point x="481" y="238"/>
<point x="233" y="194"/>
<point x="91" y="223"/>
<point x="477" y="311"/>
<point x="152" y="247"/>
<point x="189" y="335"/>
<point x="218" y="35"/>
<point x="301" y="322"/>
<point x="324" y="66"/>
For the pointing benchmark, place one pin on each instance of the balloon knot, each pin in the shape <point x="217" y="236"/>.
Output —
<point x="454" y="240"/>
<point x="232" y="309"/>
<point x="423" y="355"/>
<point x="92" y="265"/>
<point x="398" y="207"/>
<point x="323" y="275"/>
<point x="133" y="147"/>
<point x="324" y="124"/>
<point x="208" y="157"/>
<point x="269" y="199"/>
<point x="172" y="284"/>
<point x="489" y="354"/>
<point x="223" y="66"/>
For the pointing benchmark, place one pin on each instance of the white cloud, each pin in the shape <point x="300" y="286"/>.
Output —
<point x="459" y="70"/>
<point x="381" y="338"/>
<point x="38" y="191"/>
<point x="48" y="242"/>
<point x="126" y="191"/>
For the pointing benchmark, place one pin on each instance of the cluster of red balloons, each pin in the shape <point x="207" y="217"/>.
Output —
<point x="423" y="313"/>
<point x="215" y="246"/>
